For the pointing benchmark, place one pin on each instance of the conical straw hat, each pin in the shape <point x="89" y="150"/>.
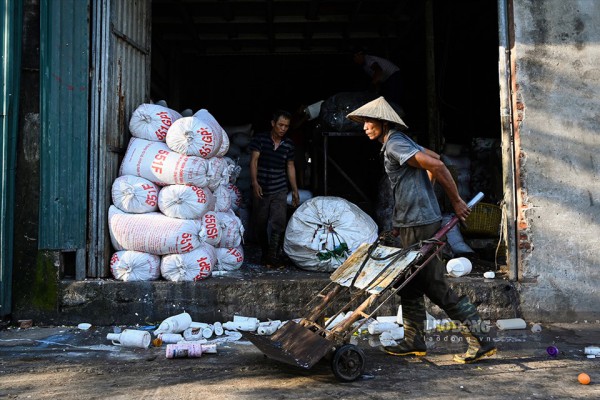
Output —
<point x="377" y="109"/>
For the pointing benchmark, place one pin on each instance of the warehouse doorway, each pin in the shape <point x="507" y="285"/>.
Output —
<point x="241" y="60"/>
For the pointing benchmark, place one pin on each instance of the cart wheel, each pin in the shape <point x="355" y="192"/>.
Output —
<point x="348" y="363"/>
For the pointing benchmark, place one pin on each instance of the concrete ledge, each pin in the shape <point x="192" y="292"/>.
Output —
<point x="268" y="294"/>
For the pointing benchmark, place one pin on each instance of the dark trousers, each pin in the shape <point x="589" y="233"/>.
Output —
<point x="272" y="208"/>
<point x="430" y="281"/>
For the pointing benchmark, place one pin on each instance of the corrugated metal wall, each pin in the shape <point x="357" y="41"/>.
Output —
<point x="10" y="45"/>
<point x="121" y="64"/>
<point x="64" y="59"/>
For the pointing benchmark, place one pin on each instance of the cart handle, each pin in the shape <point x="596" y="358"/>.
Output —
<point x="478" y="197"/>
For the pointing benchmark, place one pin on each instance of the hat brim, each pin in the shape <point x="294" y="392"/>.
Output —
<point x="378" y="109"/>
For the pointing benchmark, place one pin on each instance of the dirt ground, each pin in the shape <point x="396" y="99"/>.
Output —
<point x="68" y="363"/>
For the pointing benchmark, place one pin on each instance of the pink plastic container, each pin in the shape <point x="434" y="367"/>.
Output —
<point x="184" y="350"/>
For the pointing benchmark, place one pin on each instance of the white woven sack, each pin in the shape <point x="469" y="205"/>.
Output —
<point x="194" y="137"/>
<point x="222" y="198"/>
<point x="224" y="145"/>
<point x="236" y="196"/>
<point x="159" y="164"/>
<point x="232" y="230"/>
<point x="234" y="167"/>
<point x="134" y="194"/>
<point x="152" y="121"/>
<point x="205" y="115"/>
<point x="185" y="202"/>
<point x="128" y="266"/>
<point x="218" y="172"/>
<point x="319" y="228"/>
<point x="229" y="259"/>
<point x="211" y="229"/>
<point x="193" y="266"/>
<point x="153" y="232"/>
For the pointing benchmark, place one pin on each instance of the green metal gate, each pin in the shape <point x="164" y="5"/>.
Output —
<point x="10" y="43"/>
<point x="64" y="97"/>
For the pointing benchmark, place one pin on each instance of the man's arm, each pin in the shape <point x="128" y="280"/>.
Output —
<point x="256" y="189"/>
<point x="440" y="173"/>
<point x="291" y="173"/>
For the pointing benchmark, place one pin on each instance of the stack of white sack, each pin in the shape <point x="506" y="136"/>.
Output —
<point x="172" y="188"/>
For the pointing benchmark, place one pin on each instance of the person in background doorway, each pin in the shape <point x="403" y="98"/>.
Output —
<point x="416" y="217"/>
<point x="385" y="76"/>
<point x="271" y="167"/>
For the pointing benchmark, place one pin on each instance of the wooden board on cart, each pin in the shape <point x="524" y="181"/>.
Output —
<point x="370" y="278"/>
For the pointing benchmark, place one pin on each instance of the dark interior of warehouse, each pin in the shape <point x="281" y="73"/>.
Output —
<point x="241" y="60"/>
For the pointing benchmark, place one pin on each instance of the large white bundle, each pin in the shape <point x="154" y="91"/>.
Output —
<point x="194" y="137"/>
<point x="324" y="231"/>
<point x="231" y="229"/>
<point x="134" y="194"/>
<point x="222" y="198"/>
<point x="185" y="202"/>
<point x="128" y="265"/>
<point x="152" y="122"/>
<point x="157" y="163"/>
<point x="153" y="232"/>
<point x="229" y="259"/>
<point x="193" y="266"/>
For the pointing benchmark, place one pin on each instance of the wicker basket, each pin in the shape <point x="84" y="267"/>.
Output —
<point x="484" y="220"/>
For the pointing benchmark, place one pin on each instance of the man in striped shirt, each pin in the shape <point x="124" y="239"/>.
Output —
<point x="271" y="166"/>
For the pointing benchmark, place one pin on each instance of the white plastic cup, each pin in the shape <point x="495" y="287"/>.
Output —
<point x="511" y="323"/>
<point x="131" y="338"/>
<point x="592" y="351"/>
<point x="459" y="266"/>
<point x="207" y="332"/>
<point x="489" y="275"/>
<point x="218" y="328"/>
<point x="170" y="337"/>
<point x="184" y="350"/>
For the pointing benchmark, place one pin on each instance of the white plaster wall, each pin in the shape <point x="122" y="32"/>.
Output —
<point x="557" y="49"/>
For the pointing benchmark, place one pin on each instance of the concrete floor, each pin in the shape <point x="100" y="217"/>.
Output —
<point x="68" y="363"/>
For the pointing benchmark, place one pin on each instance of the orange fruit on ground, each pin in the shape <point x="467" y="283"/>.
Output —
<point x="584" y="379"/>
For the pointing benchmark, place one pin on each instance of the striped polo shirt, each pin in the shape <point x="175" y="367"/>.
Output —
<point x="272" y="164"/>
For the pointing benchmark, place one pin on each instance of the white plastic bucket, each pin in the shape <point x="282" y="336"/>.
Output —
<point x="459" y="266"/>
